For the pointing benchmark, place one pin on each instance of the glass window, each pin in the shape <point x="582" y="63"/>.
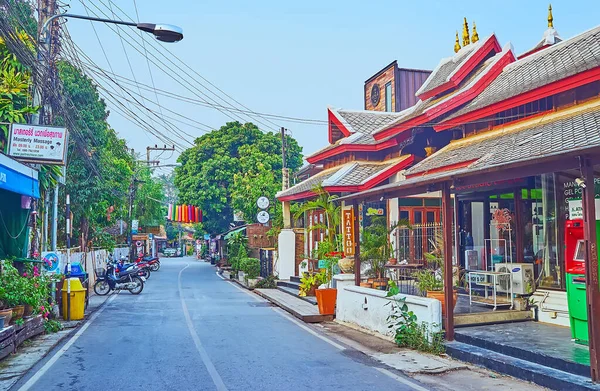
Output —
<point x="388" y="97"/>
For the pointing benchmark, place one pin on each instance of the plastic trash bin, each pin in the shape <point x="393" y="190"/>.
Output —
<point x="77" y="299"/>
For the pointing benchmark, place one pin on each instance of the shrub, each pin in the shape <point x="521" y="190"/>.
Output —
<point x="267" y="283"/>
<point x="251" y="267"/>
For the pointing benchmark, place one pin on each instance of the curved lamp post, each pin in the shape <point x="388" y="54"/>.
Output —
<point x="162" y="32"/>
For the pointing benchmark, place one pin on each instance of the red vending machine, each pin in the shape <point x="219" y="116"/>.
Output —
<point x="575" y="274"/>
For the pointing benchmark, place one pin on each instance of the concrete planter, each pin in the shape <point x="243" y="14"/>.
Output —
<point x="251" y="283"/>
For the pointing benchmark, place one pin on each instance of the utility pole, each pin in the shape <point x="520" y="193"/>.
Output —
<point x="284" y="172"/>
<point x="68" y="231"/>
<point x="156" y="148"/>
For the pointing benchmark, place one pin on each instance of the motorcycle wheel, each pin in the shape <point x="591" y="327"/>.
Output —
<point x="101" y="288"/>
<point x="155" y="266"/>
<point x="139" y="285"/>
<point x="144" y="273"/>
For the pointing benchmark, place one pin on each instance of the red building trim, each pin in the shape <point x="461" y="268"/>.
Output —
<point x="463" y="71"/>
<point x="453" y="102"/>
<point x="335" y="120"/>
<point x="566" y="84"/>
<point x="383" y="175"/>
<point x="449" y="167"/>
<point x="352" y="148"/>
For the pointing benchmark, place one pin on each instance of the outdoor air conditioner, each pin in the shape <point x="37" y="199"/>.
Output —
<point x="521" y="278"/>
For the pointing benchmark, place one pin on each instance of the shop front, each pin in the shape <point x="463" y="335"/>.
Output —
<point x="18" y="188"/>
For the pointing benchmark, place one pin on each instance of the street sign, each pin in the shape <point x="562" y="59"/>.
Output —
<point x="263" y="217"/>
<point x="51" y="262"/>
<point x="134" y="226"/>
<point x="262" y="202"/>
<point x="37" y="144"/>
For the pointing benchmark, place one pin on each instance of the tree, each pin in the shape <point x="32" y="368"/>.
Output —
<point x="228" y="169"/>
<point x="99" y="167"/>
<point x="149" y="206"/>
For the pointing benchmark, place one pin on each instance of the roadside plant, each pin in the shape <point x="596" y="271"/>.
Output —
<point x="52" y="326"/>
<point x="250" y="267"/>
<point x="270" y="282"/>
<point x="408" y="332"/>
<point x="307" y="282"/>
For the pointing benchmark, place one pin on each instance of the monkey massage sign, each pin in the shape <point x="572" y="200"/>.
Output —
<point x="37" y="144"/>
<point x="348" y="228"/>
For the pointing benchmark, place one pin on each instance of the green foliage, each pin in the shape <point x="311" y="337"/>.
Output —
<point x="270" y="282"/>
<point x="376" y="247"/>
<point x="149" y="206"/>
<point x="237" y="250"/>
<point x="250" y="267"/>
<point x="307" y="282"/>
<point x="229" y="168"/>
<point x="52" y="326"/>
<point x="19" y="322"/>
<point x="100" y="167"/>
<point x="429" y="280"/>
<point x="332" y="214"/>
<point x="408" y="332"/>
<point x="12" y="286"/>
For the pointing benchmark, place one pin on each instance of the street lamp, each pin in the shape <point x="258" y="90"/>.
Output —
<point x="162" y="32"/>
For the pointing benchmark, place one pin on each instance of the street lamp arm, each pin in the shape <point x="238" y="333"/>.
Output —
<point x="67" y="15"/>
<point x="162" y="32"/>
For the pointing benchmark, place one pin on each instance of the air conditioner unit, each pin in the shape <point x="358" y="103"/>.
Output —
<point x="521" y="278"/>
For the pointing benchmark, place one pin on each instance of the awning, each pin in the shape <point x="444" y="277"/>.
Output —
<point x="235" y="231"/>
<point x="18" y="178"/>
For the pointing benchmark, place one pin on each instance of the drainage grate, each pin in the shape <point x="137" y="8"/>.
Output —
<point x="261" y="304"/>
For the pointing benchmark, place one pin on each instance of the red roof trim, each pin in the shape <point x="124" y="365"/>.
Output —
<point x="352" y="148"/>
<point x="530" y="96"/>
<point x="334" y="119"/>
<point x="453" y="102"/>
<point x="466" y="68"/>
<point x="383" y="175"/>
<point x="442" y="169"/>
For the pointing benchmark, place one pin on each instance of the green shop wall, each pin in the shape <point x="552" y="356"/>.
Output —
<point x="14" y="229"/>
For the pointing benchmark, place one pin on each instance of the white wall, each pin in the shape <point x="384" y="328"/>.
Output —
<point x="366" y="308"/>
<point x="286" y="251"/>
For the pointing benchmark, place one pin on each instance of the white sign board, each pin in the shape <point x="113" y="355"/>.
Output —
<point x="37" y="144"/>
<point x="576" y="209"/>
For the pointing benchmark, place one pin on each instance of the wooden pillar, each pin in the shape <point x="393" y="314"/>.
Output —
<point x="591" y="266"/>
<point x="447" y="211"/>
<point x="519" y="245"/>
<point x="356" y="243"/>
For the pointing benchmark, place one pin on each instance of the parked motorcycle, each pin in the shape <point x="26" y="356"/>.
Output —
<point x="109" y="280"/>
<point x="142" y="267"/>
<point x="154" y="262"/>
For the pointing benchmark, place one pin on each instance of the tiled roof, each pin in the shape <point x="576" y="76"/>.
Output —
<point x="441" y="74"/>
<point x="365" y="121"/>
<point x="349" y="174"/>
<point x="568" y="131"/>
<point x="574" y="128"/>
<point x="557" y="62"/>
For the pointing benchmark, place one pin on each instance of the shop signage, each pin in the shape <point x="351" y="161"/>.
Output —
<point x="139" y="237"/>
<point x="348" y="226"/>
<point x="38" y="144"/>
<point x="576" y="209"/>
<point x="484" y="186"/>
<point x="135" y="224"/>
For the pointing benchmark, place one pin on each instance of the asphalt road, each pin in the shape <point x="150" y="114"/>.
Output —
<point x="191" y="330"/>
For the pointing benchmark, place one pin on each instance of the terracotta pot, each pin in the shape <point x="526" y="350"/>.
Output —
<point x="7" y="314"/>
<point x="366" y="284"/>
<point x="440" y="296"/>
<point x="28" y="310"/>
<point x="326" y="299"/>
<point x="392" y="261"/>
<point x="370" y="280"/>
<point x="17" y="312"/>
<point x="346" y="265"/>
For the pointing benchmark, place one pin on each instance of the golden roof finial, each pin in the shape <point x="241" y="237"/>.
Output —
<point x="474" y="36"/>
<point x="466" y="39"/>
<point x="550" y="17"/>
<point x="456" y="44"/>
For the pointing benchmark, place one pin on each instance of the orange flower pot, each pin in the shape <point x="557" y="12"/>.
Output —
<point x="440" y="296"/>
<point x="326" y="299"/>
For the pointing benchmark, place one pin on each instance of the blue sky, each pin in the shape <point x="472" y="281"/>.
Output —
<point x="297" y="58"/>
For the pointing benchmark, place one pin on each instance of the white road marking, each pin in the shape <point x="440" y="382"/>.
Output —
<point x="307" y="328"/>
<point x="220" y="276"/>
<point x="66" y="347"/>
<point x="402" y="380"/>
<point x="212" y="371"/>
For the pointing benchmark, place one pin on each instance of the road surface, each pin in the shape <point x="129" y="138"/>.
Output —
<point x="191" y="330"/>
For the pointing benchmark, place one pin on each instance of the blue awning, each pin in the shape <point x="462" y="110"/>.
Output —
<point x="18" y="178"/>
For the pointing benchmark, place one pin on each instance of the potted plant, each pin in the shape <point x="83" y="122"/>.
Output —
<point x="432" y="281"/>
<point x="308" y="284"/>
<point x="251" y="269"/>
<point x="377" y="249"/>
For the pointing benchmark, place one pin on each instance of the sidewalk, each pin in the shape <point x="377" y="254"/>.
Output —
<point x="440" y="373"/>
<point x="13" y="367"/>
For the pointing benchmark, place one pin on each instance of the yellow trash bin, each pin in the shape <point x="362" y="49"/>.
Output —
<point x="77" y="299"/>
